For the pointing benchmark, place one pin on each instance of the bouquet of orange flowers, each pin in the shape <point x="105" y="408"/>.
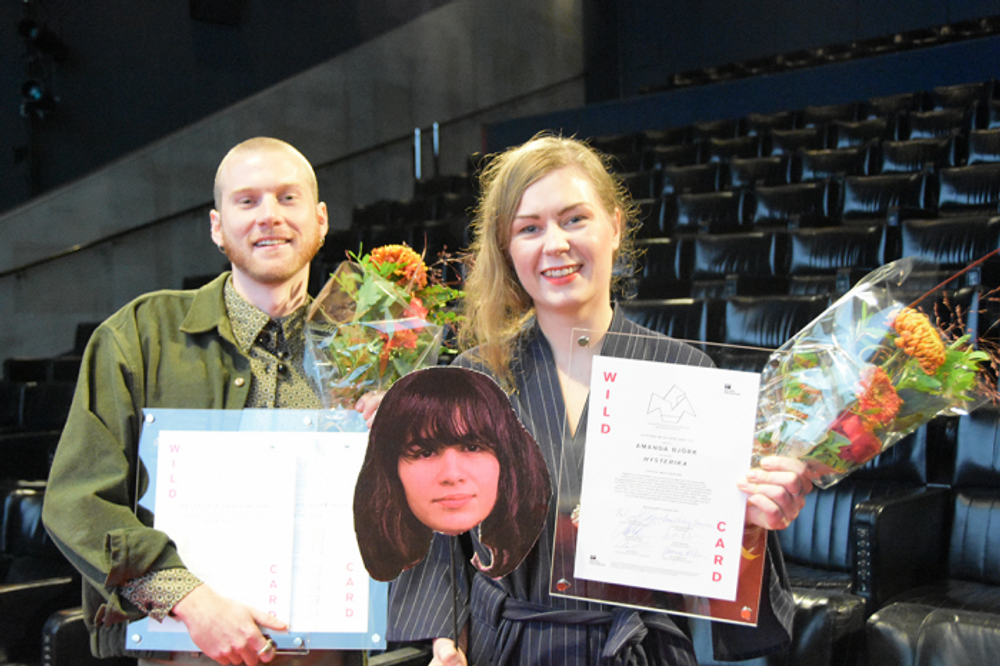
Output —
<point x="867" y="372"/>
<point x="380" y="316"/>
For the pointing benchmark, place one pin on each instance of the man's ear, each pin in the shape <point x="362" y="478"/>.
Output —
<point x="215" y="225"/>
<point x="324" y="217"/>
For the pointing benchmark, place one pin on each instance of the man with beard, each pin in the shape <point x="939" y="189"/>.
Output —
<point x="235" y="343"/>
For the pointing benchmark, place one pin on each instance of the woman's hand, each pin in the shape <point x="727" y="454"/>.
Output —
<point x="446" y="653"/>
<point x="368" y="405"/>
<point x="777" y="492"/>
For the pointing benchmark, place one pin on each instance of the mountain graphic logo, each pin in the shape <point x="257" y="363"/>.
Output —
<point x="670" y="408"/>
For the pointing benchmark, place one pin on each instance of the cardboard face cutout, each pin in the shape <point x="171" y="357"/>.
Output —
<point x="447" y="454"/>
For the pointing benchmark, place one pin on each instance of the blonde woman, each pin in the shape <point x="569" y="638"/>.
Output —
<point x="553" y="232"/>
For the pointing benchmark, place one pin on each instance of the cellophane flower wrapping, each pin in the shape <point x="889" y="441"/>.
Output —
<point x="379" y="317"/>
<point x="867" y="372"/>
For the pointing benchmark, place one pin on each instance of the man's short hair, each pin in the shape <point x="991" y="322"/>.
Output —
<point x="262" y="144"/>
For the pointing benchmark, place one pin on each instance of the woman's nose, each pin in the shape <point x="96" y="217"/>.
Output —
<point x="450" y="469"/>
<point x="556" y="240"/>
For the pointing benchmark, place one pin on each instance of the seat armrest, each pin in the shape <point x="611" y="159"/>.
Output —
<point x="899" y="542"/>
<point x="24" y="608"/>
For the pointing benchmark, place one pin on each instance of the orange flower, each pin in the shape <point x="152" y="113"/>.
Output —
<point x="919" y="339"/>
<point x="411" y="268"/>
<point x="878" y="402"/>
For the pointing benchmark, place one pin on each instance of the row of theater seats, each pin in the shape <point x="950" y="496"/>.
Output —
<point x="899" y="564"/>
<point x="40" y="620"/>
<point x="840" y="52"/>
<point x="821" y="260"/>
<point x="818" y="166"/>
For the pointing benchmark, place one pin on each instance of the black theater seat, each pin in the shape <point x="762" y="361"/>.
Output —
<point x="745" y="264"/>
<point x="983" y="146"/>
<point x="823" y="115"/>
<point x="755" y="325"/>
<point x="755" y="171"/>
<point x="792" y="206"/>
<point x="844" y="134"/>
<point x="658" y="157"/>
<point x="868" y="199"/>
<point x="955" y="618"/>
<point x="917" y="154"/>
<point x="954" y="243"/>
<point x="833" y="257"/>
<point x="789" y="142"/>
<point x="936" y="123"/>
<point x="722" y="150"/>
<point x="35" y="579"/>
<point x="710" y="212"/>
<point x="975" y="188"/>
<point x="689" y="319"/>
<point x="892" y="106"/>
<point x="695" y="178"/>
<point x="812" y="165"/>
<point x="664" y="268"/>
<point x="762" y="123"/>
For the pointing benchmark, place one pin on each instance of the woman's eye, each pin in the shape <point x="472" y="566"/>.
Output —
<point x="526" y="229"/>
<point x="418" y="453"/>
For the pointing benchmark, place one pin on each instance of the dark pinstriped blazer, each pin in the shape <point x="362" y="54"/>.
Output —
<point x="515" y="620"/>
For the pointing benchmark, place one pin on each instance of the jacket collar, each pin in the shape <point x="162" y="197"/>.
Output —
<point x="208" y="310"/>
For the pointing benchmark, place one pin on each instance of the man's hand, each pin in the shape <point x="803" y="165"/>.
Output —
<point x="226" y="630"/>
<point x="447" y="654"/>
<point x="368" y="405"/>
<point x="777" y="492"/>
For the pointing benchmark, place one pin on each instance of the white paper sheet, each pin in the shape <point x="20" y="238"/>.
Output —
<point x="265" y="518"/>
<point x="659" y="506"/>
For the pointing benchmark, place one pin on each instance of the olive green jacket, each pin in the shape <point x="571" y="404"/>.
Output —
<point x="170" y="349"/>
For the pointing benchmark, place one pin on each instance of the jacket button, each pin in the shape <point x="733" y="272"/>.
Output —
<point x="240" y="381"/>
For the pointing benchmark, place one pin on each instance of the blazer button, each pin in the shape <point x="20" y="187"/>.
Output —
<point x="240" y="381"/>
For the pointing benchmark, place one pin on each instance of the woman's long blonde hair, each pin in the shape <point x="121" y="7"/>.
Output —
<point x="496" y="306"/>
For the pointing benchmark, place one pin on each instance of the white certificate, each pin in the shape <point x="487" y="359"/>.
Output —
<point x="659" y="506"/>
<point x="259" y="504"/>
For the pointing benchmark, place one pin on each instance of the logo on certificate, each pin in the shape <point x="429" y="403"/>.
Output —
<point x="670" y="408"/>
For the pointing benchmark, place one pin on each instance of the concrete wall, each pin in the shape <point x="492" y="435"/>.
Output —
<point x="467" y="63"/>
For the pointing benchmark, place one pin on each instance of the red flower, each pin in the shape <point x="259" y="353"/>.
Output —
<point x="415" y="309"/>
<point x="864" y="445"/>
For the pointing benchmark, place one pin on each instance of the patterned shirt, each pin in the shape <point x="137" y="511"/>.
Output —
<point x="276" y="349"/>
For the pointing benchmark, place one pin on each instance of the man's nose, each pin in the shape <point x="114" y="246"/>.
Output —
<point x="269" y="210"/>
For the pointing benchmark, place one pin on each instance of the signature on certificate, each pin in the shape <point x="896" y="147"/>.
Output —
<point x="653" y="533"/>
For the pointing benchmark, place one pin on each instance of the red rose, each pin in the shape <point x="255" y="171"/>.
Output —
<point x="864" y="444"/>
